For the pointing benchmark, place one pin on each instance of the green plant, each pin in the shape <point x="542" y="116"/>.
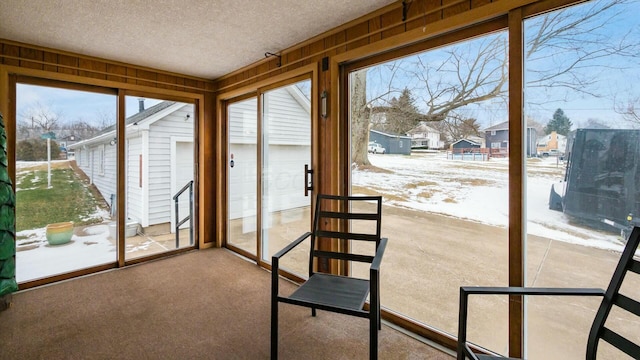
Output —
<point x="7" y="223"/>
<point x="36" y="150"/>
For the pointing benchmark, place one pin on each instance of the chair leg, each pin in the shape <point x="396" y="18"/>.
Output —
<point x="313" y="311"/>
<point x="373" y="337"/>
<point x="274" y="329"/>
<point x="378" y="307"/>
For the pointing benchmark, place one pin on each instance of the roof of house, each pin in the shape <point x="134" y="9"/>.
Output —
<point x="467" y="140"/>
<point x="390" y="134"/>
<point x="108" y="134"/>
<point x="421" y="128"/>
<point x="504" y="126"/>
<point x="140" y="115"/>
<point x="501" y="126"/>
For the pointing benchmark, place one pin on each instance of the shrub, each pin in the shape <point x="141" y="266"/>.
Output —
<point x="36" y="150"/>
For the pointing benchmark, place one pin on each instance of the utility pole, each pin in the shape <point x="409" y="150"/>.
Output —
<point x="50" y="135"/>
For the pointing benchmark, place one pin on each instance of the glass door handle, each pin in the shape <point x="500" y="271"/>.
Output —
<point x="308" y="180"/>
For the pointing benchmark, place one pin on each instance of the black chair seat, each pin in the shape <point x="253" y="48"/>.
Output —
<point x="334" y="291"/>
<point x="331" y="239"/>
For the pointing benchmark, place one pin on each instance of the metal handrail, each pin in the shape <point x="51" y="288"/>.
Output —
<point x="179" y="222"/>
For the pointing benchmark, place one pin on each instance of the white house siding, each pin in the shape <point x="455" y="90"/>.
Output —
<point x="161" y="131"/>
<point x="243" y="123"/>
<point x="434" y="140"/>
<point x="135" y="199"/>
<point x="100" y="174"/>
<point x="285" y="178"/>
<point x="288" y="135"/>
<point x="242" y="181"/>
<point x="182" y="174"/>
<point x="423" y="133"/>
<point x="243" y="147"/>
<point x="289" y="138"/>
<point x="289" y="123"/>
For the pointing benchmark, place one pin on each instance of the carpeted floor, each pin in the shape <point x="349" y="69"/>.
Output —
<point x="207" y="304"/>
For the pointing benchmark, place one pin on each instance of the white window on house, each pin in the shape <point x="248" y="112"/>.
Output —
<point x="101" y="159"/>
<point x="493" y="132"/>
<point x="400" y="142"/>
<point x="495" y="145"/>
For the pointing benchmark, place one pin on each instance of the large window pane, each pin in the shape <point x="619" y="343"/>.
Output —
<point x="581" y="64"/>
<point x="429" y="134"/>
<point x="159" y="153"/>
<point x="61" y="216"/>
<point x="242" y="117"/>
<point x="286" y="149"/>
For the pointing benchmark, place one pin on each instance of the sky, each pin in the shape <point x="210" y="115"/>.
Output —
<point x="74" y="105"/>
<point x="608" y="78"/>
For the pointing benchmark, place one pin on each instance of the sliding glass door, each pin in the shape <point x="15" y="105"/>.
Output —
<point x="67" y="179"/>
<point x="269" y="150"/>
<point x="159" y="174"/>
<point x="62" y="217"/>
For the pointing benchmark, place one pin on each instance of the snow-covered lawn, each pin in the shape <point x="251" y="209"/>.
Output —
<point x="477" y="191"/>
<point x="42" y="260"/>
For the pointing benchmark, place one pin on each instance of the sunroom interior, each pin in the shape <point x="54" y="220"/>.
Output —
<point x="200" y="131"/>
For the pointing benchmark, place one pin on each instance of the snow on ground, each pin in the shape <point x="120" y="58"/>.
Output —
<point x="46" y="260"/>
<point x="473" y="190"/>
<point x="477" y="191"/>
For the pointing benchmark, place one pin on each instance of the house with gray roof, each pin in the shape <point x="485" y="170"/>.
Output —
<point x="497" y="139"/>
<point x="159" y="145"/>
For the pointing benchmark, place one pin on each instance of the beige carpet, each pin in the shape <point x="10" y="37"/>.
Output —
<point x="207" y="304"/>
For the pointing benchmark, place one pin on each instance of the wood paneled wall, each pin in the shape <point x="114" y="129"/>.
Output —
<point x="54" y="61"/>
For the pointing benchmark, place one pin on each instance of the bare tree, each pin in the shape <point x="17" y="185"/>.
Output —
<point x="565" y="50"/>
<point x="630" y="110"/>
<point x="562" y="44"/>
<point x="466" y="74"/>
<point x="39" y="116"/>
<point x="360" y="118"/>
<point x="104" y="119"/>
<point x="361" y="106"/>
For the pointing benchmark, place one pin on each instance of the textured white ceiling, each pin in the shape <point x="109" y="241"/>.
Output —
<point x="195" y="37"/>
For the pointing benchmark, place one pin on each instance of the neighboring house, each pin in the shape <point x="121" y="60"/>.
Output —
<point x="424" y="136"/>
<point x="552" y="141"/>
<point x="467" y="149"/>
<point x="378" y="117"/>
<point x="465" y="144"/>
<point x="65" y="142"/>
<point x="393" y="143"/>
<point x="289" y="138"/>
<point x="477" y="140"/>
<point x="159" y="161"/>
<point x="497" y="139"/>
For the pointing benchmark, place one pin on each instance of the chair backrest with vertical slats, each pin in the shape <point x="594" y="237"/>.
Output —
<point x="613" y="298"/>
<point x="336" y="217"/>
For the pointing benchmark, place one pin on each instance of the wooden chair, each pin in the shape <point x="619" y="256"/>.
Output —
<point x="611" y="297"/>
<point x="341" y="294"/>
